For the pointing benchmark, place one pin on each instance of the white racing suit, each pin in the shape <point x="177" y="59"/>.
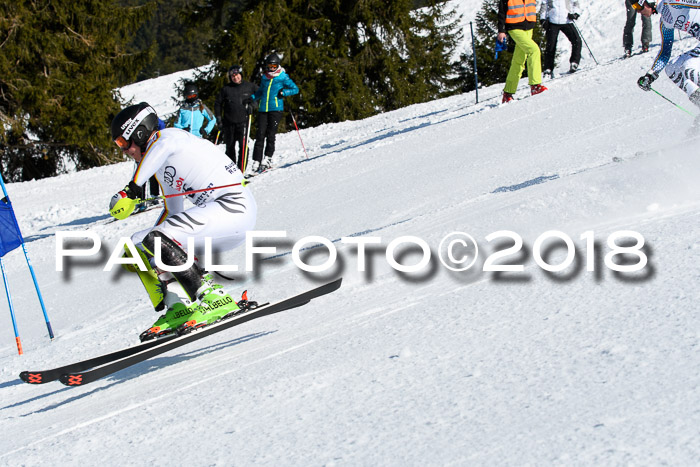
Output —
<point x="183" y="162"/>
<point x="683" y="15"/>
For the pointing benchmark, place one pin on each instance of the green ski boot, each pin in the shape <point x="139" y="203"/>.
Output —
<point x="174" y="317"/>
<point x="214" y="304"/>
<point x="179" y="309"/>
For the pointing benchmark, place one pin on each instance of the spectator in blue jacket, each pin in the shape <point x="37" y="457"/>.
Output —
<point x="193" y="115"/>
<point x="274" y="86"/>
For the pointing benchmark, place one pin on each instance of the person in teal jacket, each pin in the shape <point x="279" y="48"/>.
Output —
<point x="194" y="116"/>
<point x="275" y="85"/>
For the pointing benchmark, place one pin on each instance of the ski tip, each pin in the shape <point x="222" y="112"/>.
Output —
<point x="71" y="380"/>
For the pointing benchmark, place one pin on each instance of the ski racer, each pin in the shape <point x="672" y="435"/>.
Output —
<point x="683" y="15"/>
<point x="224" y="210"/>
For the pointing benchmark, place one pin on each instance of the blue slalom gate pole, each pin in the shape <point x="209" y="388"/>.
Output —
<point x="29" y="264"/>
<point x="12" y="310"/>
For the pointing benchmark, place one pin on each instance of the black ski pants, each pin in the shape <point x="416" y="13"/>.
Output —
<point x="627" y="35"/>
<point x="267" y="130"/>
<point x="235" y="133"/>
<point x="552" y="34"/>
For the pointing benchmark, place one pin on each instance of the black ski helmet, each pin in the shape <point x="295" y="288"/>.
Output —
<point x="272" y="62"/>
<point x="134" y="123"/>
<point x="190" y="92"/>
<point x="235" y="70"/>
<point x="272" y="58"/>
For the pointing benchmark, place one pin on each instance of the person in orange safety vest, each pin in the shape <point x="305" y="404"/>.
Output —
<point x="517" y="19"/>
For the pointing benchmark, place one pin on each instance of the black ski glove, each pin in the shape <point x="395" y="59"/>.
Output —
<point x="645" y="81"/>
<point x="203" y="132"/>
<point x="133" y="191"/>
<point x="280" y="95"/>
<point x="573" y="16"/>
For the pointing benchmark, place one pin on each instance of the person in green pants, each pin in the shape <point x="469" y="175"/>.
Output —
<point x="517" y="18"/>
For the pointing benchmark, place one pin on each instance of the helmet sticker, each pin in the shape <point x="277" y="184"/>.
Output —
<point x="130" y="125"/>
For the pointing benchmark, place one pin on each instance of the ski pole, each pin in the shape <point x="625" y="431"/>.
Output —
<point x="669" y="100"/>
<point x="476" y="71"/>
<point x="185" y="193"/>
<point x="584" y="41"/>
<point x="216" y="141"/>
<point x="295" y="126"/>
<point x="244" y="152"/>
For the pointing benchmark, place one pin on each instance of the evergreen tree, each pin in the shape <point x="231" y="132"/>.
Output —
<point x="178" y="47"/>
<point x="59" y="64"/>
<point x="350" y="59"/>
<point x="491" y="70"/>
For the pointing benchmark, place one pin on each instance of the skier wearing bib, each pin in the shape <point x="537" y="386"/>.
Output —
<point x="683" y="15"/>
<point x="181" y="162"/>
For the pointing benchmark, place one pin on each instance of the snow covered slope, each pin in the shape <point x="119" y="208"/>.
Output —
<point x="428" y="368"/>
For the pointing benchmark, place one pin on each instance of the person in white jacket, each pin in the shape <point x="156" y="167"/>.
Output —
<point x="555" y="16"/>
<point x="220" y="212"/>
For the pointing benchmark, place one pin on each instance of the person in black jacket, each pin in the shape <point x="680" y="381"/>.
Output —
<point x="235" y="103"/>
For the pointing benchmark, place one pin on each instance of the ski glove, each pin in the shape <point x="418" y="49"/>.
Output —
<point x="133" y="191"/>
<point x="573" y="16"/>
<point x="645" y="81"/>
<point x="280" y="95"/>
<point x="203" y="132"/>
<point x="248" y="105"/>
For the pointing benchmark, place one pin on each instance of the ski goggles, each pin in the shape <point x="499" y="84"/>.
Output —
<point x="272" y="67"/>
<point x="122" y="142"/>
